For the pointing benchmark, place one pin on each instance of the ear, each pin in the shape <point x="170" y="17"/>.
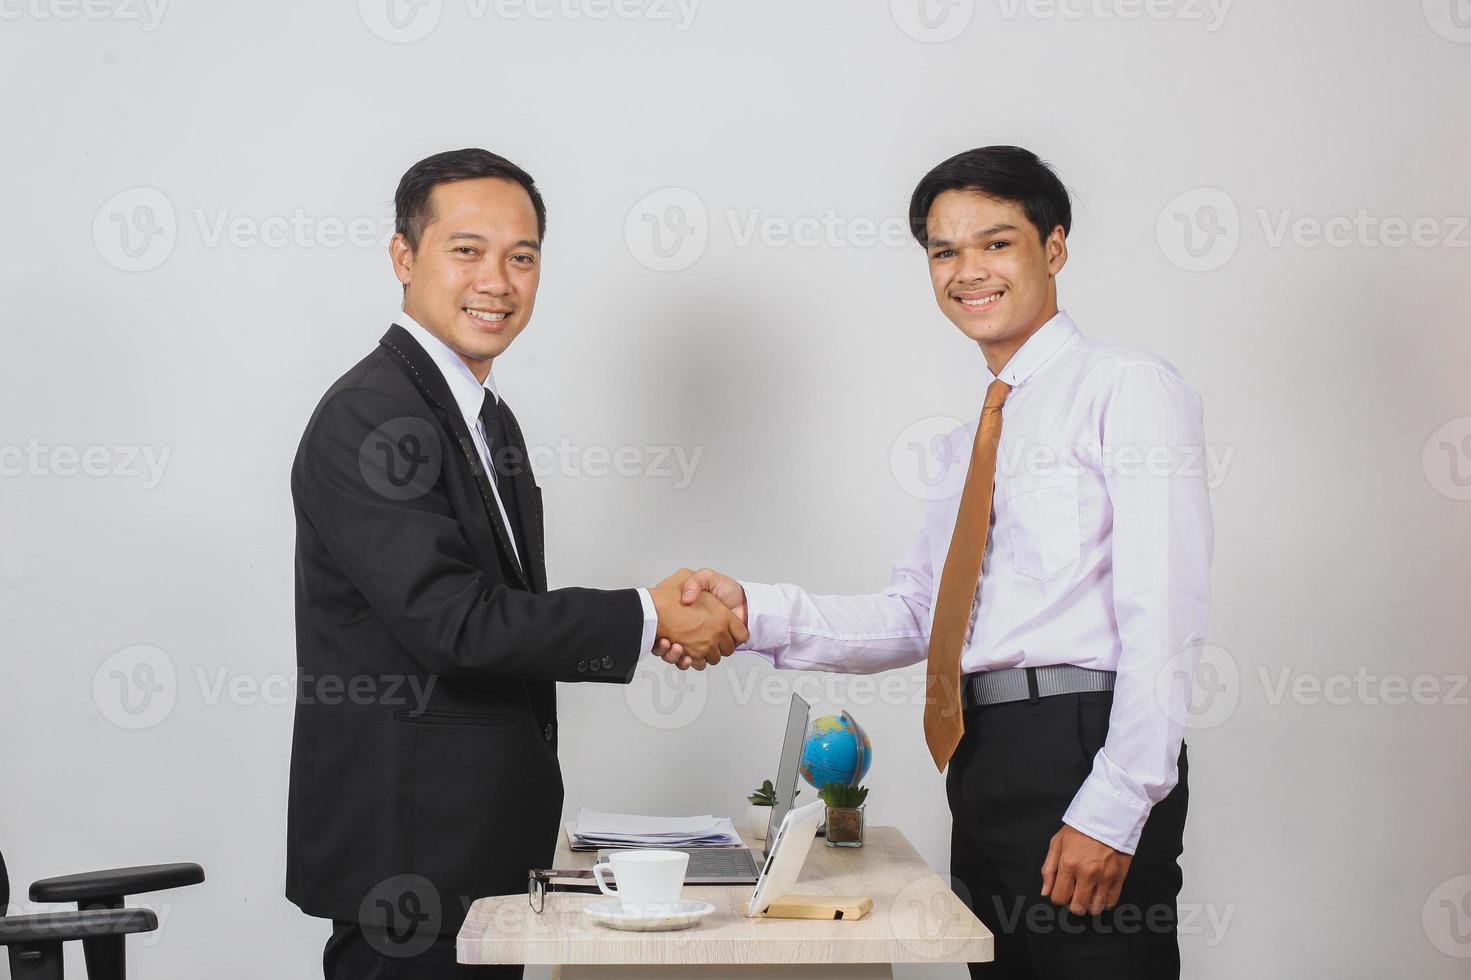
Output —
<point x="1056" y="248"/>
<point x="403" y="258"/>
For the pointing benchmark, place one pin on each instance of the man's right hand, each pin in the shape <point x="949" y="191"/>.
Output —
<point x="704" y="628"/>
<point x="697" y="587"/>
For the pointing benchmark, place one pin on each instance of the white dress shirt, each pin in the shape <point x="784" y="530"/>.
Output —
<point x="1099" y="556"/>
<point x="469" y="395"/>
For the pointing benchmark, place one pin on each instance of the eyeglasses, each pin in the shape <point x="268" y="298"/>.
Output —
<point x="539" y="882"/>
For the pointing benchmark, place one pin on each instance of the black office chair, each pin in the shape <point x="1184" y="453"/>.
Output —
<point x="100" y="922"/>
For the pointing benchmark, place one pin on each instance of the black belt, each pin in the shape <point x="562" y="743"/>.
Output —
<point x="1033" y="683"/>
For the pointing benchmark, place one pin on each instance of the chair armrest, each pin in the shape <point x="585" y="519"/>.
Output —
<point x="55" y="927"/>
<point x="109" y="887"/>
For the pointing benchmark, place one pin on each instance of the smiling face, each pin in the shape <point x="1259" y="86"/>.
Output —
<point x="994" y="277"/>
<point x="472" y="280"/>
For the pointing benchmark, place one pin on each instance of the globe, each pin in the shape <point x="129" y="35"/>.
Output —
<point x="836" y="751"/>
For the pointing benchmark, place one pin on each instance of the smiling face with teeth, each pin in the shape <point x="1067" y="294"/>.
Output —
<point x="993" y="272"/>
<point x="472" y="280"/>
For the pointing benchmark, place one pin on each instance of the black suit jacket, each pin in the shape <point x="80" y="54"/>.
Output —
<point x="424" y="766"/>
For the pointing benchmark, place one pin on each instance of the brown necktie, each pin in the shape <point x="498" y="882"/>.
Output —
<point x="944" y="722"/>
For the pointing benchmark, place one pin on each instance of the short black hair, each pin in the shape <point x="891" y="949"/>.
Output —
<point x="1007" y="173"/>
<point x="412" y="208"/>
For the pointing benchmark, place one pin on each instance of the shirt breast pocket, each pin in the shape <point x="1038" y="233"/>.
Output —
<point x="1045" y="534"/>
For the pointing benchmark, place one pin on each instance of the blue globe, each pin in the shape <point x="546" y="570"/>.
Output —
<point x="836" y="751"/>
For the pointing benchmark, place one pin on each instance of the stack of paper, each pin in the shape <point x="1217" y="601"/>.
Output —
<point x="595" y="829"/>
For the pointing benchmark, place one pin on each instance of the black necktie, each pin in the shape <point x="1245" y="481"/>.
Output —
<point x="505" y="461"/>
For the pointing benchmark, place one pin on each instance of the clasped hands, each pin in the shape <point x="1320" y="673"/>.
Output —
<point x="702" y="617"/>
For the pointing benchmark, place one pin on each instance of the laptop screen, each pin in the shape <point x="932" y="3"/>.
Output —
<point x="787" y="771"/>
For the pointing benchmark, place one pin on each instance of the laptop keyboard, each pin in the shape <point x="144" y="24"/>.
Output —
<point x="736" y="863"/>
<point x="717" y="862"/>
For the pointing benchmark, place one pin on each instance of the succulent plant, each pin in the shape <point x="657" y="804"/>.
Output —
<point x="765" y="794"/>
<point x="842" y="796"/>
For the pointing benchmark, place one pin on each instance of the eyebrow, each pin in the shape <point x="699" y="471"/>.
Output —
<point x="473" y="237"/>
<point x="983" y="233"/>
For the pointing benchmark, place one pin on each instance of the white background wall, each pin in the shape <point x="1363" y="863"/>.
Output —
<point x="1327" y="833"/>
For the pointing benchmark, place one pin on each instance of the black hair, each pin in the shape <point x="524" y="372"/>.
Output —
<point x="412" y="208"/>
<point x="1007" y="173"/>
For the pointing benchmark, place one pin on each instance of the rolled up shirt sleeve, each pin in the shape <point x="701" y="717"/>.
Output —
<point x="1153" y="443"/>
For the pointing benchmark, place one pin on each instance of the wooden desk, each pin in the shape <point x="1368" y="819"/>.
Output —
<point x="916" y="918"/>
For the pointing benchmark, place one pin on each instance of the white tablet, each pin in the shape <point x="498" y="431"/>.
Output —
<point x="788" y="854"/>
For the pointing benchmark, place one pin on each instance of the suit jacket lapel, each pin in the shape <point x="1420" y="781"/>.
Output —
<point x="425" y="375"/>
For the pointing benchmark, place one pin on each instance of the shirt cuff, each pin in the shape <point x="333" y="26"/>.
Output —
<point x="768" y="619"/>
<point x="651" y="621"/>
<point x="1105" y="813"/>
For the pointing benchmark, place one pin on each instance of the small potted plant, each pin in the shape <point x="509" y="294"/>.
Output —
<point x="758" y="814"/>
<point x="844" y="813"/>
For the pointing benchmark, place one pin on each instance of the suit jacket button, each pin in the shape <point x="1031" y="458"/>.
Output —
<point x="582" y="666"/>
<point x="607" y="663"/>
<point x="546" y="732"/>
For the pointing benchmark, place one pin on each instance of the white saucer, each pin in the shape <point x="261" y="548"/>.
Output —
<point x="679" y="915"/>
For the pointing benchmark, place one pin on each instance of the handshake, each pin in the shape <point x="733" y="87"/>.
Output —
<point x="702" y="617"/>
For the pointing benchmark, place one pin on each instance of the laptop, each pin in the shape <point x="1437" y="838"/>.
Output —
<point x="737" y="865"/>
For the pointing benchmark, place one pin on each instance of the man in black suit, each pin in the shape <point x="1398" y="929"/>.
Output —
<point x="424" y="769"/>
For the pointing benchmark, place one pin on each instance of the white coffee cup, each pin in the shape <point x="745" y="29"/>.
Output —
<point x="648" y="881"/>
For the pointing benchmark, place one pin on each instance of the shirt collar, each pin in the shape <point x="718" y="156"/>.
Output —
<point x="1054" y="335"/>
<point x="469" y="393"/>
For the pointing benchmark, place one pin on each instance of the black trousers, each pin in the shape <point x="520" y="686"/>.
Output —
<point x="1011" y="779"/>
<point x="355" y="954"/>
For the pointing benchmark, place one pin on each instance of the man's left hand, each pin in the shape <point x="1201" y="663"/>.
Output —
<point x="1082" y="873"/>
